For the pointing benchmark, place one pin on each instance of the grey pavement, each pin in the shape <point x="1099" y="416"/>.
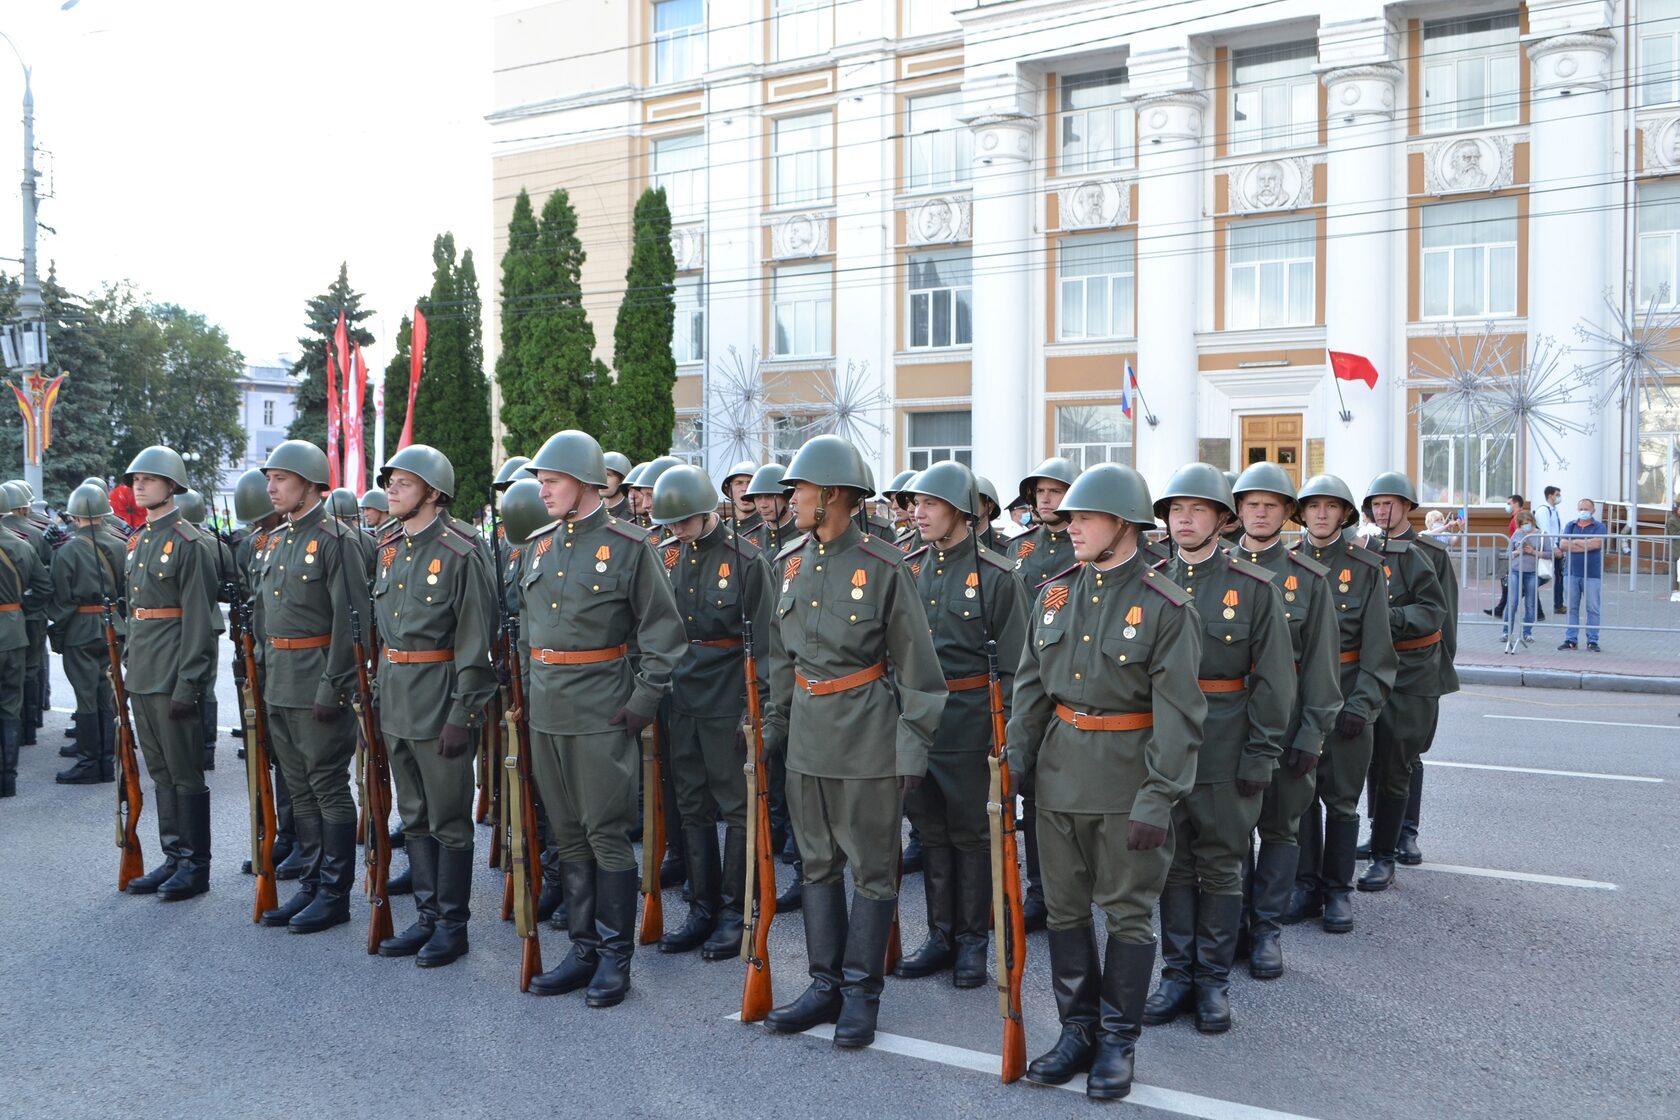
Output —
<point x="1457" y="995"/>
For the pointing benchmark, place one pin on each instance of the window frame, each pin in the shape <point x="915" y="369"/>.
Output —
<point x="1121" y="112"/>
<point x="822" y="313"/>
<point x="1078" y="451"/>
<point x="1289" y="267"/>
<point x="695" y="452"/>
<point x="1651" y="196"/>
<point x="780" y="427"/>
<point x="929" y="453"/>
<point x="1655" y="27"/>
<point x="1264" y="137"/>
<point x="694" y="310"/>
<point x="800" y="16"/>
<point x="1495" y="110"/>
<point x="823" y="161"/>
<point x="1127" y="278"/>
<point x="957" y="298"/>
<point x="956" y="136"/>
<point x="268" y="411"/>
<point x="693" y="201"/>
<point x="1449" y="255"/>
<point x="692" y="38"/>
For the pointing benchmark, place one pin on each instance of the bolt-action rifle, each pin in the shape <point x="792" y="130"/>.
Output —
<point x="132" y="863"/>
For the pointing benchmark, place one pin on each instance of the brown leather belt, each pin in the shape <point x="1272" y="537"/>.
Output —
<point x="967" y="684"/>
<point x="1348" y="657"/>
<point x="417" y="656"/>
<point x="320" y="641"/>
<point x="717" y="643"/>
<point x="578" y="656"/>
<point x="1406" y="645"/>
<point x="1085" y="721"/>
<point x="94" y="608"/>
<point x="11" y="606"/>
<point x="841" y="684"/>
<point x="144" y="613"/>
<point x="1236" y="684"/>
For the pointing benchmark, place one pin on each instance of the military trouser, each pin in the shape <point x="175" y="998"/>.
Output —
<point x="1341" y="773"/>
<point x="1085" y="860"/>
<point x="315" y="760"/>
<point x="86" y="667"/>
<point x="12" y="663"/>
<point x="837" y="821"/>
<point x="1285" y="799"/>
<point x="1402" y="736"/>
<point x="173" y="748"/>
<point x="34" y="668"/>
<point x="706" y="761"/>
<point x="949" y="807"/>
<point x="434" y="794"/>
<point x="588" y="786"/>
<point x="1210" y="834"/>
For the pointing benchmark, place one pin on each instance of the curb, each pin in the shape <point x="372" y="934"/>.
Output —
<point x="1555" y="678"/>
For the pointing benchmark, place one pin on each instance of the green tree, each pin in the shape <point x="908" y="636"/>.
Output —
<point x="321" y="322"/>
<point x="452" y="412"/>
<point x="83" y="430"/>
<point x="643" y="415"/>
<point x="524" y="413"/>
<point x="396" y="386"/>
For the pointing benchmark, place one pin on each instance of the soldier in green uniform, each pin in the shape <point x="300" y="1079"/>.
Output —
<point x="24" y="583"/>
<point x="656" y="534"/>
<point x="303" y="602"/>
<point x="856" y="743"/>
<point x="900" y="513"/>
<point x="1420" y="616"/>
<point x="1108" y="716"/>
<point x="168" y="657"/>
<point x="718" y="578"/>
<point x="638" y="499"/>
<point x="613" y="495"/>
<point x="18" y="500"/>
<point x="219" y="558"/>
<point x="589" y="585"/>
<point x="1440" y="558"/>
<point x="955" y="578"/>
<point x="342" y="507"/>
<point x="769" y="496"/>
<point x="1248" y="674"/>
<point x="1366" y="664"/>
<point x="85" y="573"/>
<point x="375" y="510"/>
<point x="1039" y="553"/>
<point x="1265" y="497"/>
<point x="990" y="510"/>
<point x="431" y="602"/>
<point x="734" y="490"/>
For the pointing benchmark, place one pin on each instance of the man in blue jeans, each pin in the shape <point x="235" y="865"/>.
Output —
<point x="1583" y="555"/>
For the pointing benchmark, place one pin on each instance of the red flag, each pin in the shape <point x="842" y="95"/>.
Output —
<point x="333" y="421"/>
<point x="416" y="359"/>
<point x="341" y="347"/>
<point x="355" y="463"/>
<point x="1352" y="367"/>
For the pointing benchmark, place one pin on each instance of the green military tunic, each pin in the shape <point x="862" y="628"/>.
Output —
<point x="771" y="539"/>
<point x="949" y="808"/>
<point x="1115" y="642"/>
<point x="430" y="598"/>
<point x="34" y="614"/>
<point x="25" y="586"/>
<point x="1248" y="671"/>
<point x="848" y="606"/>
<point x="85" y="572"/>
<point x="1418" y="620"/>
<point x="1040" y="553"/>
<point x="591" y="587"/>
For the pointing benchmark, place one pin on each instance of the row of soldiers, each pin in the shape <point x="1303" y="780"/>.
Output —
<point x="1167" y="702"/>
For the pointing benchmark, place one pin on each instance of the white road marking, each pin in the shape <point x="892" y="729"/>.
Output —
<point x="1146" y="1096"/>
<point x="1519" y="876"/>
<point x="1548" y="773"/>
<point x="1588" y="722"/>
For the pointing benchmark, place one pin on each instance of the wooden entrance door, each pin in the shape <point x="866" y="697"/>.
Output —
<point x="1273" y="439"/>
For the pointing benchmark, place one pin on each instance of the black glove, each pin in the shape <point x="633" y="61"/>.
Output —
<point x="1299" y="763"/>
<point x="1142" y="837"/>
<point x="179" y="711"/>
<point x="324" y="713"/>
<point x="453" y="742"/>
<point x="1350" y="725"/>
<point x="633" y="722"/>
<point x="908" y="784"/>
<point x="1251" y="789"/>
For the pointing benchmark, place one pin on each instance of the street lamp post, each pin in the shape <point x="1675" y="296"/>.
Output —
<point x="26" y="342"/>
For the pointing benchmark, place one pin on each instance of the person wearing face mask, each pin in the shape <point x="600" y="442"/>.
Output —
<point x="1516" y="506"/>
<point x="1549" y="519"/>
<point x="1583" y="554"/>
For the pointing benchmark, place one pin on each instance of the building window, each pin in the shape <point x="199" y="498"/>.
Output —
<point x="268" y="413"/>
<point x="802" y="28"/>
<point x="679" y="34"/>
<point x="802" y="165"/>
<point x="941" y="300"/>
<point x="933" y="437"/>
<point x="1094" y="286"/>
<point x="1659" y="228"/>
<point x="1098" y="127"/>
<point x="927" y="17"/>
<point x="688" y="441"/>
<point x="688" y="334"/>
<point x="1659" y="450"/>
<point x="679" y="165"/>
<point x="803" y="307"/>
<point x="1274" y="98"/>
<point x="1450" y="458"/>
<point x="1471" y="72"/>
<point x="1659" y="51"/>
<point x="1470" y="258"/>
<point x="1271" y="274"/>
<point x="938" y="148"/>
<point x="1088" y="434"/>
<point x="787" y="435"/>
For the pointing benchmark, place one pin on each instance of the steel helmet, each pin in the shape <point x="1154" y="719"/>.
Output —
<point x="869" y="477"/>
<point x="680" y="492"/>
<point x="828" y="460"/>
<point x="88" y="500"/>
<point x="428" y="464"/>
<point x="1327" y="486"/>
<point x="1056" y="468"/>
<point x="573" y="453"/>
<point x="617" y="462"/>
<point x="342" y="503"/>
<point x="12" y="493"/>
<point x="164" y="462"/>
<point x="523" y="512"/>
<point x="767" y="482"/>
<point x="375" y="499"/>
<point x="746" y="468"/>
<point x="632" y="481"/>
<point x="250" y="496"/>
<point x="1268" y="477"/>
<point x="950" y="482"/>
<point x="91" y="480"/>
<point x="191" y="505"/>
<point x="1196" y="480"/>
<point x="1230" y="477"/>
<point x="990" y="494"/>
<point x="511" y="471"/>
<point x="1114" y="489"/>
<point x="302" y="458"/>
<point x="1392" y="484"/>
<point x="650" y="473"/>
<point x="897" y="484"/>
<point x="26" y="490"/>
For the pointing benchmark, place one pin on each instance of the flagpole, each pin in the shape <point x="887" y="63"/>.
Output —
<point x="1148" y="413"/>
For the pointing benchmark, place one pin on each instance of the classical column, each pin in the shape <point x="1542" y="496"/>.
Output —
<point x="1360" y="313"/>
<point x="1168" y="278"/>
<point x="1569" y="225"/>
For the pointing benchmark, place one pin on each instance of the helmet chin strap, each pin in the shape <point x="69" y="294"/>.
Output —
<point x="1114" y="542"/>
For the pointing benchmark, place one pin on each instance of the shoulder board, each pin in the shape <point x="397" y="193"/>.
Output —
<point x="995" y="560"/>
<point x="1251" y="569"/>
<point x="1366" y="557"/>
<point x="1310" y="564"/>
<point x="455" y="543"/>
<point x="542" y="532"/>
<point x="917" y="552"/>
<point x="1063" y="574"/>
<point x="1165" y="588"/>
<point x="390" y="535"/>
<point x="881" y="550"/>
<point x="625" y="529"/>
<point x="464" y="532"/>
<point x="793" y="546"/>
<point x="745" y="542"/>
<point x="1159" y="565"/>
<point x="186" y="531"/>
<point x="1397" y="548"/>
<point x="1426" y="539"/>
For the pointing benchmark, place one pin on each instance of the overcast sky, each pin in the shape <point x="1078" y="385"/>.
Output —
<point x="226" y="155"/>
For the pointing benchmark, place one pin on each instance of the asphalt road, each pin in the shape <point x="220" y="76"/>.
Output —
<point x="1458" y="994"/>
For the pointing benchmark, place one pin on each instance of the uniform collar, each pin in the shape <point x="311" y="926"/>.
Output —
<point x="167" y="521"/>
<point x="841" y="543"/>
<point x="430" y="533"/>
<point x="1128" y="569"/>
<point x="589" y="521"/>
<point x="313" y="517"/>
<point x="1267" y="553"/>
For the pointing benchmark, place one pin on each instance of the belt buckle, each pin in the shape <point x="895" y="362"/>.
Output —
<point x="545" y="656"/>
<point x="811" y="686"/>
<point x="1079" y="719"/>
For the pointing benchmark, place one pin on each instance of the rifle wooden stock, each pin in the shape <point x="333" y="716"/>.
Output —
<point x="1007" y="915"/>
<point x="258" y="782"/>
<point x="522" y="884"/>
<point x="760" y="894"/>
<point x="481" y="775"/>
<point x="132" y="863"/>
<point x="376" y="799"/>
<point x="653" y="841"/>
<point x="492" y="792"/>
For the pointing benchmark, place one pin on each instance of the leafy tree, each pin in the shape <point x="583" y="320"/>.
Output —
<point x="396" y="386"/>
<point x="321" y="323"/>
<point x="452" y="412"/>
<point x="83" y="420"/>
<point x="643" y="415"/>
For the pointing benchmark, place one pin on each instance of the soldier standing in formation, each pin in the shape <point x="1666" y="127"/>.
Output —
<point x="25" y="586"/>
<point x="375" y="510"/>
<point x="856" y="743"/>
<point x="169" y="655"/>
<point x="955" y="576"/>
<point x="775" y="528"/>
<point x="85" y="576"/>
<point x="613" y="495"/>
<point x="19" y="501"/>
<point x="744" y="511"/>
<point x="219" y="561"/>
<point x="343" y="508"/>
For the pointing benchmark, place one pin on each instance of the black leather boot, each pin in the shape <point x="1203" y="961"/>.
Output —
<point x="423" y="873"/>
<point x="331" y="905"/>
<point x="403" y="883"/>
<point x="1074" y="978"/>
<point x="862" y="971"/>
<point x="577" y="879"/>
<point x="398" y="838"/>
<point x="1176" y="992"/>
<point x="915" y="854"/>
<point x="1407" y="850"/>
<point x="1273" y="879"/>
<point x="794" y="897"/>
<point x="1125" y="984"/>
<point x="1217" y="919"/>
<point x="285" y="826"/>
<point x="1385" y="836"/>
<point x="72" y="749"/>
<point x="169" y="839"/>
<point x="939" y="884"/>
<point x="307" y="854"/>
<point x="1364" y="849"/>
<point x="1339" y="840"/>
<point x="454" y="894"/>
<point x="551" y="900"/>
<point x="1033" y="910"/>
<point x="615" y="918"/>
<point x="11" y="737"/>
<point x="1306" y="899"/>
<point x="300" y="859"/>
<point x="31" y="714"/>
<point x="974" y="912"/>
<point x="725" y="942"/>
<point x="192" y="868"/>
<point x="107" y="724"/>
<point x="700" y="846"/>
<point x="86" y="753"/>
<point x="825" y="947"/>
<point x="207" y="721"/>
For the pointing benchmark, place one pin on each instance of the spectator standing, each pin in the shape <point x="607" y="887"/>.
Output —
<point x="1526" y="544"/>
<point x="1583" y="552"/>
<point x="1549" y="519"/>
<point x="1514" y="505"/>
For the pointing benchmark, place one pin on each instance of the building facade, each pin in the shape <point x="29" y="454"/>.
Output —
<point x="267" y="405"/>
<point x="949" y="227"/>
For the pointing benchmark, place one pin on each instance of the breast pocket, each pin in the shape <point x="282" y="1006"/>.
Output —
<point x="1049" y="637"/>
<point x="964" y="611"/>
<point x="726" y="600"/>
<point x="854" y="613"/>
<point x="1227" y="633"/>
<point x="1126" y="651"/>
<point x="783" y="606"/>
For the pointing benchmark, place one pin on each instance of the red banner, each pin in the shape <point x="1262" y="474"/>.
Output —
<point x="416" y="361"/>
<point x="1352" y="367"/>
<point x="333" y="421"/>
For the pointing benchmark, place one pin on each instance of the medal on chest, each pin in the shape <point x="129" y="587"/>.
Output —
<point x="859" y="579"/>
<point x="1230" y="602"/>
<point x="1289" y="586"/>
<point x="432" y="571"/>
<point x="791" y="570"/>
<point x="1133" y="617"/>
<point x="723" y="575"/>
<point x="1343" y="579"/>
<point x="168" y="547"/>
<point x="973" y="581"/>
<point x="1054" y="600"/>
<point x="602" y="555"/>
